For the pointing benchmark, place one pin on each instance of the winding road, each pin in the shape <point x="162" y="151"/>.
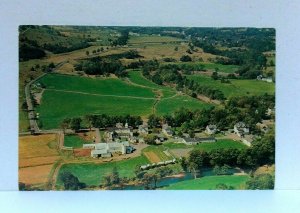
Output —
<point x="34" y="128"/>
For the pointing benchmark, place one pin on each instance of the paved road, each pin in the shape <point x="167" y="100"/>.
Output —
<point x="31" y="115"/>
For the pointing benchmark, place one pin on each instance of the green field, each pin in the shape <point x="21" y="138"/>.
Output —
<point x="74" y="141"/>
<point x="219" y="144"/>
<point x="137" y="78"/>
<point x="169" y="105"/>
<point x="92" y="174"/>
<point x="57" y="105"/>
<point x="210" y="182"/>
<point x="237" y="87"/>
<point x="95" y="86"/>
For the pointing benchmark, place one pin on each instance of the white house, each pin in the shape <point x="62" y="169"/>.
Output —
<point x="241" y="129"/>
<point x="143" y="129"/>
<point x="125" y="133"/>
<point x="106" y="149"/>
<point x="166" y="129"/>
<point x="211" y="129"/>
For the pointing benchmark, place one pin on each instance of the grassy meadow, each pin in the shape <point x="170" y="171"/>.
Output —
<point x="210" y="182"/>
<point x="57" y="105"/>
<point x="169" y="105"/>
<point x="93" y="174"/>
<point x="236" y="87"/>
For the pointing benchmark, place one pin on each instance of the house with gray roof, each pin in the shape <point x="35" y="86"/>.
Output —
<point x="166" y="129"/>
<point x="241" y="129"/>
<point x="107" y="149"/>
<point x="211" y="129"/>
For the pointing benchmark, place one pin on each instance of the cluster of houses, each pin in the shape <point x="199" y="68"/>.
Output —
<point x="107" y="149"/>
<point x="117" y="139"/>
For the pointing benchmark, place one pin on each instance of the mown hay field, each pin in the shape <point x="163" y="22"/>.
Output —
<point x="37" y="155"/>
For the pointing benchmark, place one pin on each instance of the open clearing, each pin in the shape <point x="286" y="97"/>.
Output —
<point x="167" y="106"/>
<point x="155" y="153"/>
<point x="93" y="174"/>
<point x="152" y="157"/>
<point x="210" y="182"/>
<point x="236" y="87"/>
<point x="72" y="96"/>
<point x="37" y="154"/>
<point x="182" y="150"/>
<point x="57" y="105"/>
<point x="74" y="141"/>
<point x="101" y="86"/>
<point x="137" y="78"/>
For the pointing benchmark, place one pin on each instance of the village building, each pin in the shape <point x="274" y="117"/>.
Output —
<point x="115" y="133"/>
<point x="166" y="129"/>
<point x="266" y="79"/>
<point x="241" y="129"/>
<point x="211" y="129"/>
<point x="143" y="129"/>
<point x="107" y="149"/>
<point x="194" y="141"/>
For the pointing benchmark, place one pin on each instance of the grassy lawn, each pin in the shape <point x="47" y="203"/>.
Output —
<point x="219" y="144"/>
<point x="57" y="105"/>
<point x="167" y="106"/>
<point x="92" y="174"/>
<point x="74" y="141"/>
<point x="96" y="86"/>
<point x="236" y="87"/>
<point x="137" y="78"/>
<point x="210" y="182"/>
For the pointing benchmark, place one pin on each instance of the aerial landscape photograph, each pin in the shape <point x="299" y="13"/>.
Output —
<point x="146" y="108"/>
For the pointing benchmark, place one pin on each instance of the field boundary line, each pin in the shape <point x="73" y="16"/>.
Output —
<point x="100" y="95"/>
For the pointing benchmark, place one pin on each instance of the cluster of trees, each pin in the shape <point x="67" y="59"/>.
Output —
<point x="261" y="181"/>
<point x="260" y="153"/>
<point x="244" y="47"/>
<point x="112" y="178"/>
<point x="150" y="178"/>
<point x="27" y="52"/>
<point x="71" y="123"/>
<point x="249" y="109"/>
<point x="170" y="73"/>
<point x="98" y="66"/>
<point x="60" y="48"/>
<point x="32" y="46"/>
<point x="122" y="40"/>
<point x="103" y="121"/>
<point x="70" y="181"/>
